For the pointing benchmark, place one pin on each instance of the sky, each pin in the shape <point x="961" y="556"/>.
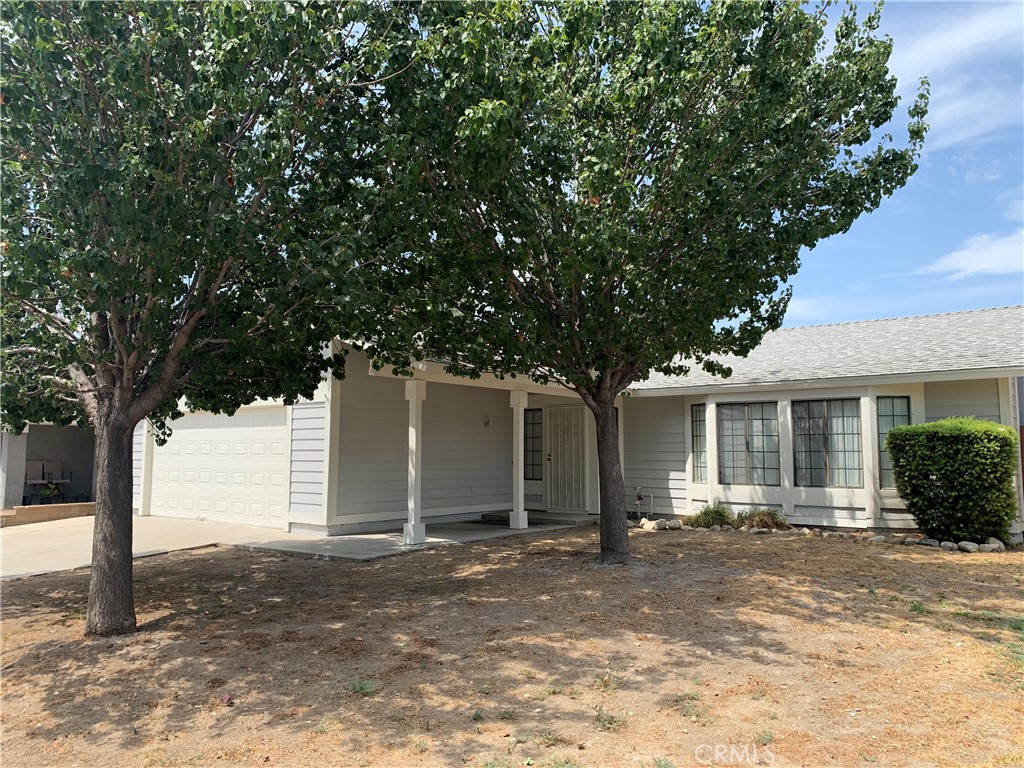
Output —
<point x="953" y="238"/>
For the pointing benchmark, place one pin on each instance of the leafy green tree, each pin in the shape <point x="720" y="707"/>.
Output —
<point x="183" y="184"/>
<point x="598" y="190"/>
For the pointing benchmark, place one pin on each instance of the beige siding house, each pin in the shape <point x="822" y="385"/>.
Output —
<point x="798" y="426"/>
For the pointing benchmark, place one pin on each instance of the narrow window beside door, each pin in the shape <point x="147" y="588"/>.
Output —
<point x="533" y="444"/>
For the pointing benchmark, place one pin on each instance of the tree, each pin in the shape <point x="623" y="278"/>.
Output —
<point x="183" y="185"/>
<point x="597" y="190"/>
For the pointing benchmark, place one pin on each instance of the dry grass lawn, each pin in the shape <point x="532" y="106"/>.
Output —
<point x="712" y="648"/>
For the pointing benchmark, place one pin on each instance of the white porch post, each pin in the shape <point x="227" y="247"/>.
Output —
<point x="146" y="489"/>
<point x="415" y="531"/>
<point x="518" y="402"/>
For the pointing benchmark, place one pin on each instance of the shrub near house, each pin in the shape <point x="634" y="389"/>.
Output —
<point x="956" y="477"/>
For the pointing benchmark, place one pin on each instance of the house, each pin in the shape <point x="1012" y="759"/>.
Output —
<point x="799" y="426"/>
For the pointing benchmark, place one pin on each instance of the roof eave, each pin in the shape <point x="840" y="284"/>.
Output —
<point x="833" y="382"/>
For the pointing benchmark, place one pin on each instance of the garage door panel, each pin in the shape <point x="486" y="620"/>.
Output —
<point x="227" y="468"/>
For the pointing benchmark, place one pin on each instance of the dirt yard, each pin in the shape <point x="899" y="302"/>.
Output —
<point x="713" y="649"/>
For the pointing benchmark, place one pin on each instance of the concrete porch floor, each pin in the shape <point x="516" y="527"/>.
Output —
<point x="64" y="545"/>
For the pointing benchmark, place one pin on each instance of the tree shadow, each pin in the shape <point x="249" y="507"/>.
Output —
<point x="440" y="650"/>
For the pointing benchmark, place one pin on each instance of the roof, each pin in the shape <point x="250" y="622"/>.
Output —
<point x="976" y="340"/>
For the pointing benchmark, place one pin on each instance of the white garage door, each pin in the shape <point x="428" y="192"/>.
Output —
<point x="231" y="468"/>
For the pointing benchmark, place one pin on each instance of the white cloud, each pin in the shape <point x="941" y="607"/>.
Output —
<point x="982" y="255"/>
<point x="808" y="310"/>
<point x="1014" y="201"/>
<point x="972" y="55"/>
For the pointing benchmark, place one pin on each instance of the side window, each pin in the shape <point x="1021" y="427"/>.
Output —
<point x="827" y="443"/>
<point x="699" y="445"/>
<point x="748" y="443"/>
<point x="892" y="412"/>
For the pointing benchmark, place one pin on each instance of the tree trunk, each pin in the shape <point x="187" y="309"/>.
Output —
<point x="111" y="609"/>
<point x="614" y="532"/>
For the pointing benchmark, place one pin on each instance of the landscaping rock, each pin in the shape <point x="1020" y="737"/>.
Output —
<point x="661" y="525"/>
<point x="896" y="538"/>
<point x="949" y="546"/>
<point x="675" y="525"/>
<point x="994" y="542"/>
<point x="988" y="548"/>
<point x="715" y="528"/>
<point x="877" y="538"/>
<point x="760" y="530"/>
<point x="928" y="543"/>
<point x="745" y="528"/>
<point x="630" y="523"/>
<point x="686" y="528"/>
<point x="967" y="546"/>
<point x="728" y="529"/>
<point x="644" y="521"/>
<point x="805" y="531"/>
<point x="700" y="529"/>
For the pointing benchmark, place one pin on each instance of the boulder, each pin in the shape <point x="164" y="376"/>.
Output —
<point x="967" y="546"/>
<point x="686" y="528"/>
<point x="715" y="528"/>
<point x="949" y="546"/>
<point x="661" y="525"/>
<point x="928" y="542"/>
<point x="805" y="531"/>
<point x="994" y="542"/>
<point x="675" y="525"/>
<point x="988" y="548"/>
<point x="877" y="539"/>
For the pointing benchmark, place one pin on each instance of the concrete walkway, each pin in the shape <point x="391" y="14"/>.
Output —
<point x="63" y="545"/>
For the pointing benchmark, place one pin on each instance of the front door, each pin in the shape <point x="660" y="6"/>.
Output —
<point x="564" y="474"/>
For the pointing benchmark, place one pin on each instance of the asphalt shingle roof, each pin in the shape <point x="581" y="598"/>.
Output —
<point x="981" y="339"/>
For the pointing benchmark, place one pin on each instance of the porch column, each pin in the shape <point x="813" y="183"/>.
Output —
<point x="146" y="482"/>
<point x="415" y="531"/>
<point x="518" y="401"/>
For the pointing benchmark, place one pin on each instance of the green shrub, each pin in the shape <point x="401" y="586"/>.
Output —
<point x="717" y="513"/>
<point x="763" y="517"/>
<point x="957" y="477"/>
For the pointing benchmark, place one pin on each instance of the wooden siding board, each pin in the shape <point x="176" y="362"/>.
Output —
<point x="655" y="451"/>
<point x="979" y="397"/>
<point x="308" y="462"/>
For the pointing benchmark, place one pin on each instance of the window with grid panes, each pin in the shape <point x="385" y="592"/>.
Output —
<point x="533" y="444"/>
<point x="827" y="443"/>
<point x="892" y="412"/>
<point x="748" y="443"/>
<point x="699" y="438"/>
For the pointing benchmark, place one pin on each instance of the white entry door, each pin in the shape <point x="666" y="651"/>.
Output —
<point x="231" y="468"/>
<point x="565" y="475"/>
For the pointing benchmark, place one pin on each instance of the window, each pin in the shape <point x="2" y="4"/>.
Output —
<point x="748" y="443"/>
<point x="827" y="444"/>
<point x="533" y="444"/>
<point x="892" y="412"/>
<point x="699" y="446"/>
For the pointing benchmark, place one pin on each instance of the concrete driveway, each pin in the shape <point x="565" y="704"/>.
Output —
<point x="63" y="545"/>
